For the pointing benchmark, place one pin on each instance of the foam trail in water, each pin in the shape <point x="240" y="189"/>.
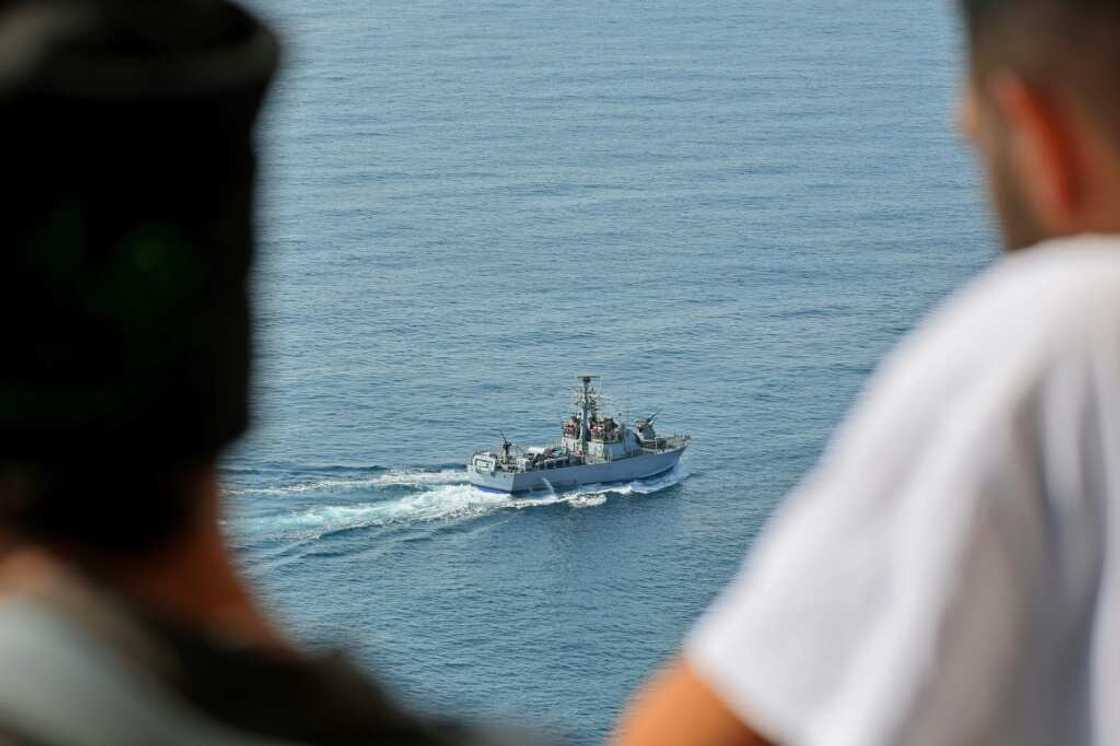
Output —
<point x="587" y="501"/>
<point x="405" y="478"/>
<point x="439" y="496"/>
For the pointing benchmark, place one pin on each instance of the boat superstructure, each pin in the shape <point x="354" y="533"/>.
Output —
<point x="593" y="449"/>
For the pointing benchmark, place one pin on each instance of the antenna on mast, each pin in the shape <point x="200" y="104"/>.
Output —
<point x="586" y="403"/>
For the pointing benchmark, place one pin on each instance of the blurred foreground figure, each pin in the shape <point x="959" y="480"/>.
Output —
<point x="125" y="247"/>
<point x="950" y="573"/>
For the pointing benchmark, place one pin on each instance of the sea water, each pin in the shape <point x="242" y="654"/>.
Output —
<point x="728" y="210"/>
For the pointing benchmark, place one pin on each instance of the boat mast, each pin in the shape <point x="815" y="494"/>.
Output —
<point x="585" y="413"/>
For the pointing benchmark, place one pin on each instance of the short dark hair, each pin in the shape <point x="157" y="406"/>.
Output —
<point x="1071" y="44"/>
<point x="125" y="250"/>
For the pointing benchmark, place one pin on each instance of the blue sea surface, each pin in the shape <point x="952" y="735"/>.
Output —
<point x="728" y="210"/>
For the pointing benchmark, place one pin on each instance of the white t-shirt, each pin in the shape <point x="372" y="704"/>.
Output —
<point x="950" y="572"/>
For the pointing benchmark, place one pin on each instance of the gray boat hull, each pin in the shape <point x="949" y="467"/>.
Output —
<point x="642" y="466"/>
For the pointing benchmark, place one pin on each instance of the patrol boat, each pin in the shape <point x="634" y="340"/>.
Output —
<point x="593" y="450"/>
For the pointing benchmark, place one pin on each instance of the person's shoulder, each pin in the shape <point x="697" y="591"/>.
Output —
<point x="91" y="666"/>
<point x="998" y="339"/>
<point x="1047" y="292"/>
<point x="1027" y="310"/>
<point x="1057" y="282"/>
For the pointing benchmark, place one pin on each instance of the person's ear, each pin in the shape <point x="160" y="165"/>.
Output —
<point x="1042" y="150"/>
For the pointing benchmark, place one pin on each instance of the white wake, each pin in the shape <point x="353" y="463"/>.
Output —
<point x="443" y="495"/>
<point x="405" y="478"/>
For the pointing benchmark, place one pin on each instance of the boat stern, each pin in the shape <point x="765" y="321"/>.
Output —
<point x="493" y="480"/>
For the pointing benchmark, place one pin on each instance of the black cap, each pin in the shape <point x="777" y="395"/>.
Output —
<point x="126" y="236"/>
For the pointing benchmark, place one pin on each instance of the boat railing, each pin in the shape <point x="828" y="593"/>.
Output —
<point x="519" y="465"/>
<point x="499" y="465"/>
<point x="665" y="443"/>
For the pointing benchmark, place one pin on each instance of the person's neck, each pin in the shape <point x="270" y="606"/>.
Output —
<point x="1100" y="182"/>
<point x="192" y="581"/>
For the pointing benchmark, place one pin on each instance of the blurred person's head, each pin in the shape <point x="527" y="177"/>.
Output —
<point x="1043" y="109"/>
<point x="125" y="247"/>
